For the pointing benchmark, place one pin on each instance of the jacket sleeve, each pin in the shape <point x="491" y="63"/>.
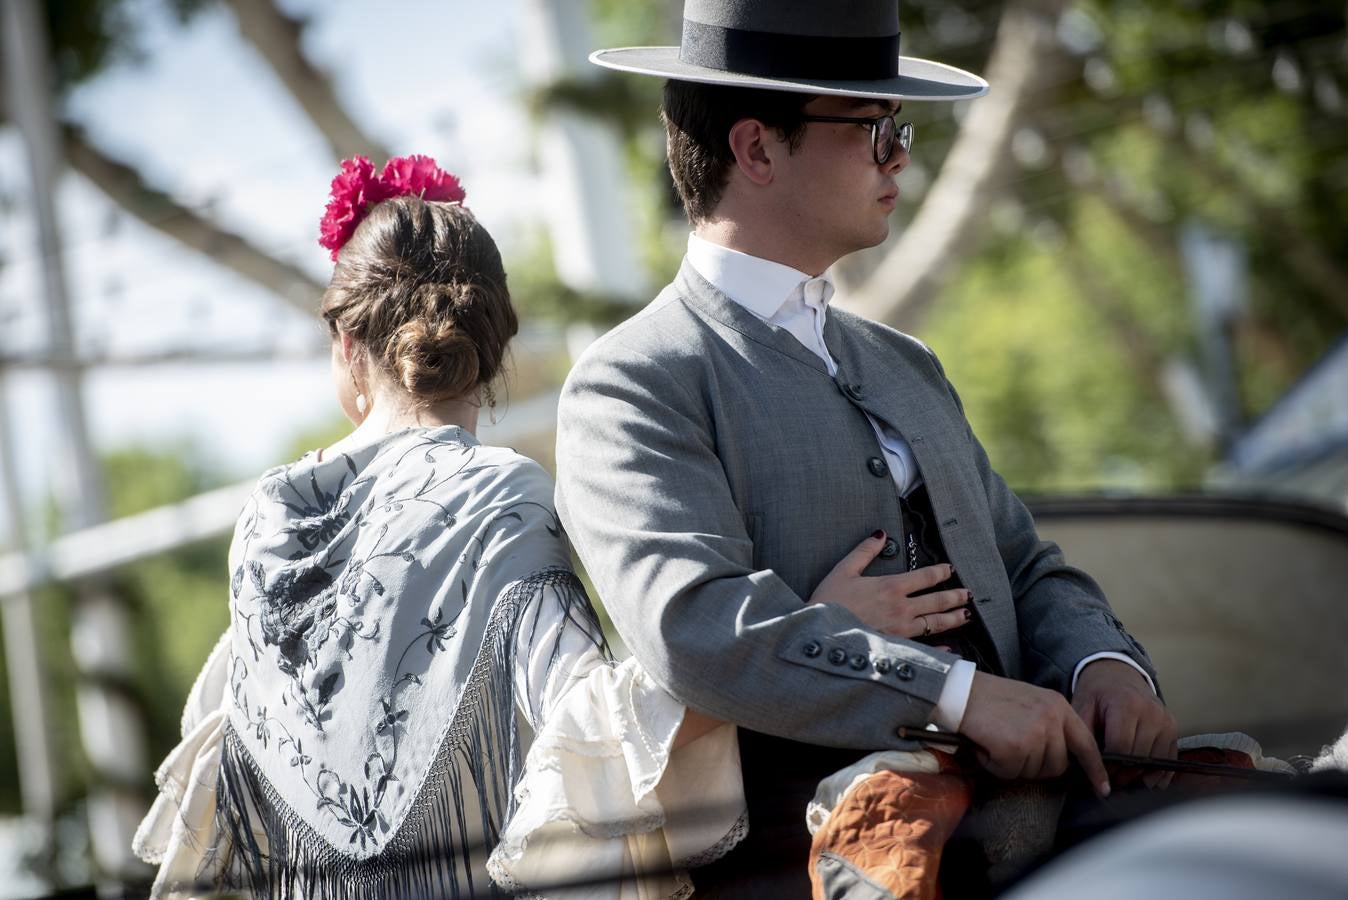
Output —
<point x="651" y="514"/>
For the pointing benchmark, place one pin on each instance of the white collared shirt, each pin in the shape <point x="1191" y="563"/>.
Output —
<point x="798" y="302"/>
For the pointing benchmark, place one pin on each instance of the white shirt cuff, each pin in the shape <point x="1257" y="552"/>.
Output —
<point x="1107" y="655"/>
<point x="959" y="683"/>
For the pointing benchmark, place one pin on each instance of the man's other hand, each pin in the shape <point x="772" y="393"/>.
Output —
<point x="886" y="602"/>
<point x="1023" y="731"/>
<point x="1115" y="701"/>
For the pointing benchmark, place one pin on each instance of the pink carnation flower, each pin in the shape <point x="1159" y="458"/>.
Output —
<point x="419" y="176"/>
<point x="356" y="190"/>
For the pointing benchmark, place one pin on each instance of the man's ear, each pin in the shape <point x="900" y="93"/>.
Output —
<point x="751" y="143"/>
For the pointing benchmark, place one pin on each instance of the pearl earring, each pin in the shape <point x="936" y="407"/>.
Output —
<point x="361" y="403"/>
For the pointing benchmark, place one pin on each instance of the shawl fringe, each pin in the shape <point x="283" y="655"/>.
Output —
<point x="269" y="849"/>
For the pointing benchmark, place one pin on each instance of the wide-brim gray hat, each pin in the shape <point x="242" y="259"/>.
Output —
<point x="848" y="48"/>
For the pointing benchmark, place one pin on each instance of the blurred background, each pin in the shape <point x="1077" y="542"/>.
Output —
<point x="1131" y="257"/>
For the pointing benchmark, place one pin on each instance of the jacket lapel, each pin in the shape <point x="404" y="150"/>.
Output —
<point x="715" y="305"/>
<point x="891" y="389"/>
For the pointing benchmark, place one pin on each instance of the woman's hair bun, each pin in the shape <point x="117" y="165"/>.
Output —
<point x="421" y="286"/>
<point x="433" y="361"/>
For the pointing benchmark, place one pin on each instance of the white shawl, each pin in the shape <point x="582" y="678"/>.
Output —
<point x="368" y="737"/>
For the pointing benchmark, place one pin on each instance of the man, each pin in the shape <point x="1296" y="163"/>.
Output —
<point x="719" y="453"/>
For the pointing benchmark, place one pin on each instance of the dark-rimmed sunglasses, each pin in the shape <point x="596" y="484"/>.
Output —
<point x="886" y="131"/>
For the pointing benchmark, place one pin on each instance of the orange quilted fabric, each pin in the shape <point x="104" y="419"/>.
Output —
<point x="893" y="827"/>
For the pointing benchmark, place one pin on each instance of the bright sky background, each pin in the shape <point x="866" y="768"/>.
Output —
<point x="202" y="116"/>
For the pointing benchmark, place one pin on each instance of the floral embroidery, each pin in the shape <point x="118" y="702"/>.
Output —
<point x="347" y="558"/>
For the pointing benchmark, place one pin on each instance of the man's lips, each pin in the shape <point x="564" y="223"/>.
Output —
<point x="890" y="198"/>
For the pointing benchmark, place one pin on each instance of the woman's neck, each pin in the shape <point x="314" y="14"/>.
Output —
<point x="386" y="416"/>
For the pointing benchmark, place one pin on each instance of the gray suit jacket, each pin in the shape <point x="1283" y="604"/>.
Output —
<point x="711" y="473"/>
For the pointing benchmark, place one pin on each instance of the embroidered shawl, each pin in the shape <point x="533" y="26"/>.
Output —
<point x="377" y="600"/>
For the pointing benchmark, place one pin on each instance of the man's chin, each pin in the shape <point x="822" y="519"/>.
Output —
<point x="864" y="240"/>
<point x="876" y="236"/>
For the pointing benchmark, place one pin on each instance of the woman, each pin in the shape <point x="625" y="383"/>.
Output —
<point x="404" y="618"/>
<point x="400" y="601"/>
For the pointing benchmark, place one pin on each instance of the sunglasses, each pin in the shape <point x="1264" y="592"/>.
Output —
<point x="885" y="133"/>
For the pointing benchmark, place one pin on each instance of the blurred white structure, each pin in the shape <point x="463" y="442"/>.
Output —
<point x="1300" y="445"/>
<point x="589" y="221"/>
<point x="111" y="730"/>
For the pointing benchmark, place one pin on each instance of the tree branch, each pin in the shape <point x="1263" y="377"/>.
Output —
<point x="128" y="189"/>
<point x="276" y="36"/>
<point x="1302" y="252"/>
<point x="1025" y="60"/>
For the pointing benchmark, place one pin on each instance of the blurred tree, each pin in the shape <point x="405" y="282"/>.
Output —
<point x="182" y="604"/>
<point x="85" y="37"/>
<point x="1059" y="200"/>
<point x="1226" y="115"/>
<point x="181" y="596"/>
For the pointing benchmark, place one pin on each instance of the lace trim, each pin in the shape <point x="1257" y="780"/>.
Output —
<point x="503" y="880"/>
<point x="738" y="830"/>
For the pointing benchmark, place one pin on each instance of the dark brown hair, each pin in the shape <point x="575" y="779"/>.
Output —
<point x="698" y="118"/>
<point x="421" y="287"/>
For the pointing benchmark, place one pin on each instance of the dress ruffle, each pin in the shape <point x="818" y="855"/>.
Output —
<point x="608" y="803"/>
<point x="179" y="834"/>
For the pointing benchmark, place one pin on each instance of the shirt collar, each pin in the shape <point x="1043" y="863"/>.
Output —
<point x="759" y="285"/>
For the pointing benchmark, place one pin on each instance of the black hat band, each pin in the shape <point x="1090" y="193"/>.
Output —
<point x="770" y="55"/>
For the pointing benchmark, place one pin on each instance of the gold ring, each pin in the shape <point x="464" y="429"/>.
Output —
<point x="926" y="626"/>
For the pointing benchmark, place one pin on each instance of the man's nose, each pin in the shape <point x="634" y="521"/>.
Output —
<point x="898" y="160"/>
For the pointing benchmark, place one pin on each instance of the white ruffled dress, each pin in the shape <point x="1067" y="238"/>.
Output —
<point x="605" y="805"/>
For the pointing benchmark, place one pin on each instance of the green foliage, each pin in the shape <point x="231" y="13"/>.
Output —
<point x="182" y="605"/>
<point x="141" y="479"/>
<point x="323" y="435"/>
<point x="86" y="36"/>
<point x="637" y="23"/>
<point x="1053" y="394"/>
<point x="179" y="604"/>
<point x="538" y="294"/>
<point x="52" y="609"/>
<point x="622" y="102"/>
<point x="180" y="599"/>
<point x="1228" y="113"/>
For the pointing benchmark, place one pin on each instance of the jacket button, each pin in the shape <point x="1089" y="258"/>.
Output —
<point x="883" y="665"/>
<point x="812" y="649"/>
<point x="890" y="549"/>
<point x="877" y="467"/>
<point x="859" y="661"/>
<point x="904" y="672"/>
<point x="837" y="656"/>
<point x="854" y="391"/>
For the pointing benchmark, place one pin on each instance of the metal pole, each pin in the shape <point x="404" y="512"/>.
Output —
<point x="110" y="727"/>
<point x="28" y="703"/>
